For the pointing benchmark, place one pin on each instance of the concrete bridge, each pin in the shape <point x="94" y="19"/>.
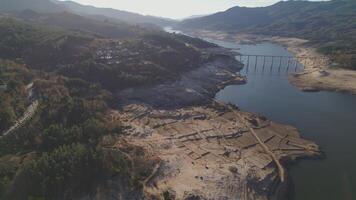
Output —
<point x="279" y="64"/>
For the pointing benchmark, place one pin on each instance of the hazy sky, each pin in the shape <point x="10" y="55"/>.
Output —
<point x="175" y="8"/>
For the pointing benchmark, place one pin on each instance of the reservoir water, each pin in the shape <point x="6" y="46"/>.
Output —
<point x="327" y="118"/>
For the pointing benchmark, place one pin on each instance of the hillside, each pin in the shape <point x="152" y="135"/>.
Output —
<point x="44" y="6"/>
<point x="331" y="26"/>
<point x="49" y="6"/>
<point x="71" y="73"/>
<point x="72" y="21"/>
<point x="144" y="57"/>
<point x="128" y="17"/>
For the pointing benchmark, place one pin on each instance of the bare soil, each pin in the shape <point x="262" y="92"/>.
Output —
<point x="316" y="76"/>
<point x="207" y="150"/>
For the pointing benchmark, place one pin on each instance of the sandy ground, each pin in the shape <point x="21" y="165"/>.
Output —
<point x="207" y="150"/>
<point x="316" y="76"/>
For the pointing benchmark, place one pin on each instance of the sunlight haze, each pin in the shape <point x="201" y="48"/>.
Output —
<point x="173" y="8"/>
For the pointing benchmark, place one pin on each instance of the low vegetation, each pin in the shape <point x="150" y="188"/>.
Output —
<point x="13" y="94"/>
<point x="145" y="58"/>
<point x="60" y="153"/>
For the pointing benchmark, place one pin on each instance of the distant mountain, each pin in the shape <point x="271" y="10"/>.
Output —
<point x="43" y="6"/>
<point x="194" y="16"/>
<point x="55" y="6"/>
<point x="282" y="18"/>
<point x="232" y="19"/>
<point x="115" y="14"/>
<point x="72" y="21"/>
<point x="331" y="25"/>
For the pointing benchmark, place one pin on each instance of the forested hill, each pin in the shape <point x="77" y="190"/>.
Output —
<point x="331" y="25"/>
<point x="57" y="74"/>
<point x="128" y="17"/>
<point x="286" y="17"/>
<point x="54" y="6"/>
<point x="130" y="56"/>
<point x="35" y="5"/>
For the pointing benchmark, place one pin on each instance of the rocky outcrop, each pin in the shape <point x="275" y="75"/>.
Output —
<point x="194" y="87"/>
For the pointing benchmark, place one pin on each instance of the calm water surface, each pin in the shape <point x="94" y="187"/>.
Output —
<point x="328" y="118"/>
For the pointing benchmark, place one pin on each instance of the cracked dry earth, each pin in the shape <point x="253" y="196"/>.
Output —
<point x="207" y="153"/>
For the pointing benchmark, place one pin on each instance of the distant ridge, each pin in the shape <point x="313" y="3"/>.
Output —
<point x="72" y="21"/>
<point x="55" y="6"/>
<point x="330" y="25"/>
<point x="115" y="14"/>
<point x="43" y="6"/>
<point x="286" y="18"/>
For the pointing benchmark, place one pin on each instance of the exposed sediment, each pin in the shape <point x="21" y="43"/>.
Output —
<point x="315" y="77"/>
<point x="195" y="87"/>
<point x="207" y="150"/>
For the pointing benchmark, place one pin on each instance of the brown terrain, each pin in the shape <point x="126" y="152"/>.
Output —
<point x="206" y="149"/>
<point x="316" y="76"/>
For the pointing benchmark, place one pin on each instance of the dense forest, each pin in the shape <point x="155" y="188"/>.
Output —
<point x="58" y="154"/>
<point x="329" y="25"/>
<point x="147" y="56"/>
<point x="59" y="150"/>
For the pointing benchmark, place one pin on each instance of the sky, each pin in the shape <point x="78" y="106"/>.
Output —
<point x="175" y="9"/>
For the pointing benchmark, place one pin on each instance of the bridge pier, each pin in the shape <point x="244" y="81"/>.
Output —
<point x="291" y="62"/>
<point x="288" y="63"/>
<point x="305" y="63"/>
<point x="256" y="63"/>
<point x="296" y="65"/>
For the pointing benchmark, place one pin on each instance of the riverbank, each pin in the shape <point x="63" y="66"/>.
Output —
<point x="316" y="75"/>
<point x="207" y="150"/>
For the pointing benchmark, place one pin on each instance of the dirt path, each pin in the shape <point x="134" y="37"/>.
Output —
<point x="31" y="110"/>
<point x="266" y="149"/>
<point x="27" y="115"/>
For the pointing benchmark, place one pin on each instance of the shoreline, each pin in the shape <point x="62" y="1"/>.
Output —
<point x="315" y="77"/>
<point x="206" y="150"/>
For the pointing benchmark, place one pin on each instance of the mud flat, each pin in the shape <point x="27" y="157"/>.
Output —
<point x="316" y="76"/>
<point x="207" y="150"/>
